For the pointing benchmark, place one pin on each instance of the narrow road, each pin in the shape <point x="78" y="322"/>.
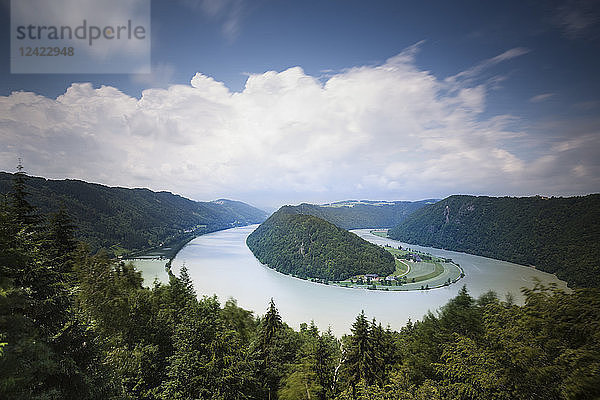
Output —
<point x="407" y="271"/>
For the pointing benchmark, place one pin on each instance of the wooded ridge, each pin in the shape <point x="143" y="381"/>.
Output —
<point x="353" y="214"/>
<point x="556" y="235"/>
<point x="123" y="220"/>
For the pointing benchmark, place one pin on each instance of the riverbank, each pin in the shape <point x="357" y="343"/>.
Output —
<point x="155" y="263"/>
<point x="450" y="274"/>
<point x="415" y="270"/>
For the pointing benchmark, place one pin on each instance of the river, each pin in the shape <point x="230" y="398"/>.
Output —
<point x="220" y="263"/>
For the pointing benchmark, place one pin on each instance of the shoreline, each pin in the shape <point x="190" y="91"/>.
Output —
<point x="359" y="287"/>
<point x="170" y="253"/>
<point x="412" y="286"/>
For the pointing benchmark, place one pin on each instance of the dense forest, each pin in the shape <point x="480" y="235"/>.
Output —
<point x="123" y="220"/>
<point x="81" y="326"/>
<point x="362" y="214"/>
<point x="310" y="247"/>
<point x="556" y="235"/>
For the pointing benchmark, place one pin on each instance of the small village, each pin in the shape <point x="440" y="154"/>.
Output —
<point x="414" y="271"/>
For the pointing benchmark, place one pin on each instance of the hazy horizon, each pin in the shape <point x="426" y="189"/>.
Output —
<point x="273" y="208"/>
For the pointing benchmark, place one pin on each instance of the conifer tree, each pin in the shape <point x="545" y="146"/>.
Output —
<point x="359" y="364"/>
<point x="21" y="210"/>
<point x="271" y="324"/>
<point x="60" y="243"/>
<point x="268" y="350"/>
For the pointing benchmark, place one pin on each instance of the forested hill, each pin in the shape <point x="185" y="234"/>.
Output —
<point x="131" y="219"/>
<point x="556" y="235"/>
<point x="310" y="247"/>
<point x="354" y="214"/>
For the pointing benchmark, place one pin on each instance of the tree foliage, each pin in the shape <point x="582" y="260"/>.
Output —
<point x="47" y="351"/>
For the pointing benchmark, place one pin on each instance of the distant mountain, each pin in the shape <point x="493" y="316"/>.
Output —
<point x="556" y="235"/>
<point x="310" y="247"/>
<point x="132" y="219"/>
<point x="356" y="214"/>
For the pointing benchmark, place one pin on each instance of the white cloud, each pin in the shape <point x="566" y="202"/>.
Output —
<point x="541" y="97"/>
<point x="390" y="131"/>
<point x="487" y="63"/>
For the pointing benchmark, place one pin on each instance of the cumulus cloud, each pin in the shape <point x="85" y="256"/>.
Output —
<point x="389" y="131"/>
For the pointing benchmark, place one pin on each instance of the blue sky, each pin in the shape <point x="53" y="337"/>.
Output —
<point x="514" y="82"/>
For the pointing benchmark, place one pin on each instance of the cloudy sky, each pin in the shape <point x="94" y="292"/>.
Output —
<point x="280" y="102"/>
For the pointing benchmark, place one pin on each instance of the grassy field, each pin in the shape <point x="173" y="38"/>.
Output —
<point x="401" y="268"/>
<point x="381" y="233"/>
<point x="438" y="270"/>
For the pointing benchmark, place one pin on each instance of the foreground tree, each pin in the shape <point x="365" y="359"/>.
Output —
<point x="48" y="352"/>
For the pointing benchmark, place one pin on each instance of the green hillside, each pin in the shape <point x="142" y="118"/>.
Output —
<point x="132" y="219"/>
<point x="310" y="247"/>
<point x="556" y="235"/>
<point x="355" y="214"/>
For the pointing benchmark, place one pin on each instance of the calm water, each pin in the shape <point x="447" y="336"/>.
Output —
<point x="220" y="263"/>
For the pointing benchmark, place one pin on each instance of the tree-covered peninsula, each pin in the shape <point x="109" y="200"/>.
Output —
<point x="310" y="247"/>
<point x="556" y="235"/>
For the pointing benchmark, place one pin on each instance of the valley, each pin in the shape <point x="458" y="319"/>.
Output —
<point x="209" y="308"/>
<point x="220" y="263"/>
